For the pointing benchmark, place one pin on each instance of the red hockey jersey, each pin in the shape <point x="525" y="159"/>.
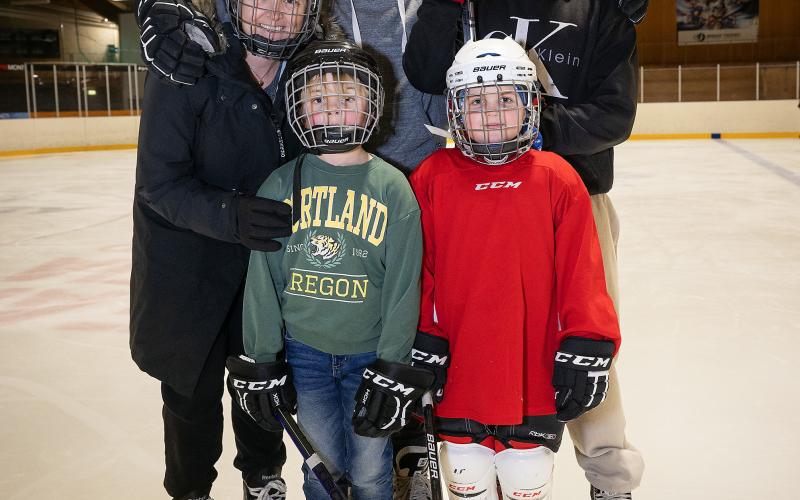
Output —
<point x="512" y="266"/>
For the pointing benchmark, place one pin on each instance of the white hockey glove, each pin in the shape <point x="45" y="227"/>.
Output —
<point x="580" y="377"/>
<point x="386" y="396"/>
<point x="176" y="39"/>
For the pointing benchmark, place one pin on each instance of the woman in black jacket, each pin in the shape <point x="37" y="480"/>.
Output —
<point x="204" y="150"/>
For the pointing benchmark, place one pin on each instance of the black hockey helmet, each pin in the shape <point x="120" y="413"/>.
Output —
<point x="274" y="29"/>
<point x="334" y="96"/>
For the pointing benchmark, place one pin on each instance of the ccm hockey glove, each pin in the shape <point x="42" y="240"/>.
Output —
<point x="175" y="39"/>
<point x="260" y="220"/>
<point x="432" y="353"/>
<point x="386" y="396"/>
<point x="258" y="388"/>
<point x="580" y="377"/>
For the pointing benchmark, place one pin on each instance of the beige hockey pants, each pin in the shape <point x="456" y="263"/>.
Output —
<point x="609" y="460"/>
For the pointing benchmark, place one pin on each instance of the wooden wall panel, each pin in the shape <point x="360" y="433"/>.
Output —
<point x="778" y="38"/>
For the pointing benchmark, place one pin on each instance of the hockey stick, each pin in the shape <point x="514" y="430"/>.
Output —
<point x="433" y="451"/>
<point x="310" y="457"/>
<point x="471" y="19"/>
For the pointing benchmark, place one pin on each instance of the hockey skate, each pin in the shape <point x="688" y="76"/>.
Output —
<point x="270" y="488"/>
<point x="598" y="494"/>
<point x="414" y="487"/>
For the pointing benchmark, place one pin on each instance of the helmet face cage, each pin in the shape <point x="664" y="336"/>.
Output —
<point x="334" y="106"/>
<point x="494" y="122"/>
<point x="274" y="29"/>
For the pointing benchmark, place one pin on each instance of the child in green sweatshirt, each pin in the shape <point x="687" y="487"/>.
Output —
<point x="341" y="298"/>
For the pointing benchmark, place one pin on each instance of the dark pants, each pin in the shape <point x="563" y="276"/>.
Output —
<point x="193" y="425"/>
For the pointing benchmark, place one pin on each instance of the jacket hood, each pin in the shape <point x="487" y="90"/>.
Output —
<point x="209" y="9"/>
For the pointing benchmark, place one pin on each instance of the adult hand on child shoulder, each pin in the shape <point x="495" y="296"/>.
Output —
<point x="261" y="220"/>
<point x="176" y="39"/>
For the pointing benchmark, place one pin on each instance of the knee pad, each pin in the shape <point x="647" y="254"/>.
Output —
<point x="525" y="473"/>
<point x="469" y="471"/>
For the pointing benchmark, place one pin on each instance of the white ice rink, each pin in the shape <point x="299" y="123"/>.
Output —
<point x="710" y="284"/>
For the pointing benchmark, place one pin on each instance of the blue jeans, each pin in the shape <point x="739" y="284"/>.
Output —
<point x="326" y="386"/>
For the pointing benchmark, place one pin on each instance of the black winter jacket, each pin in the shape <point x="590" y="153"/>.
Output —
<point x="199" y="146"/>
<point x="587" y="46"/>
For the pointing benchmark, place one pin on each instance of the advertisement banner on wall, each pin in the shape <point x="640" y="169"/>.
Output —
<point x="716" y="21"/>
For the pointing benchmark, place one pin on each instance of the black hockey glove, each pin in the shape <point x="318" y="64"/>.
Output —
<point x="258" y="388"/>
<point x="387" y="394"/>
<point x="175" y="39"/>
<point x="580" y="377"/>
<point x="634" y="9"/>
<point x="432" y="353"/>
<point x="261" y="220"/>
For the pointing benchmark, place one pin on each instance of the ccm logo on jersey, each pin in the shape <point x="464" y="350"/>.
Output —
<point x="585" y="361"/>
<point x="388" y="383"/>
<point x="497" y="185"/>
<point x="259" y="385"/>
<point x="428" y="358"/>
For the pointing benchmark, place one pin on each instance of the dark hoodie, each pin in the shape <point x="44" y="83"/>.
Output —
<point x="380" y="25"/>
<point x="587" y="46"/>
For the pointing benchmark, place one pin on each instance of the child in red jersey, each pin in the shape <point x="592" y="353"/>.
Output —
<point x="515" y="319"/>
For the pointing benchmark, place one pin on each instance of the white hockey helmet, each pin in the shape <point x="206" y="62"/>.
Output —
<point x="486" y="68"/>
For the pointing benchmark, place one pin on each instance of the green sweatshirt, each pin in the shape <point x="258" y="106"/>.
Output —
<point x="347" y="280"/>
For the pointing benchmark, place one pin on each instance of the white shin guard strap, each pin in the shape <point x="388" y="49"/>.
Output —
<point x="525" y="473"/>
<point x="469" y="471"/>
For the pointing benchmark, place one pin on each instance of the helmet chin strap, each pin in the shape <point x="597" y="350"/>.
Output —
<point x="265" y="47"/>
<point x="495" y="152"/>
<point x="329" y="141"/>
